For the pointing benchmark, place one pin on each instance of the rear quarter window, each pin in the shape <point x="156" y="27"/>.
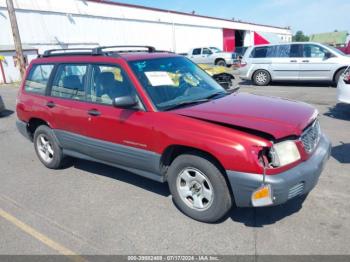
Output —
<point x="38" y="78"/>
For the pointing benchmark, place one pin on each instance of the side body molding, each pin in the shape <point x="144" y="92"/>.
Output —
<point x="135" y="160"/>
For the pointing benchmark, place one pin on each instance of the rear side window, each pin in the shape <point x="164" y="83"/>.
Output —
<point x="196" y="51"/>
<point x="260" y="52"/>
<point x="38" y="78"/>
<point x="278" y="51"/>
<point x="69" y="81"/>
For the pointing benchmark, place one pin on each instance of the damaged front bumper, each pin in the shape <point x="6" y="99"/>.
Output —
<point x="284" y="186"/>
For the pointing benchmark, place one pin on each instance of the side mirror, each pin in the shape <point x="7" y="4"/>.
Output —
<point x="328" y="55"/>
<point x="126" y="102"/>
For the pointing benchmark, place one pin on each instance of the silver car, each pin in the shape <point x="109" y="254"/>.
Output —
<point x="305" y="61"/>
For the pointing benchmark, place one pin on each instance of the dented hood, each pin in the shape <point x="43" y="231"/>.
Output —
<point x="275" y="116"/>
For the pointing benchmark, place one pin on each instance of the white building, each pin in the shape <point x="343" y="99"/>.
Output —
<point x="48" y="24"/>
<point x="9" y="68"/>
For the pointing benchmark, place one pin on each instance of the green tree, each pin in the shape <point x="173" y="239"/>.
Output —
<point x="300" y="37"/>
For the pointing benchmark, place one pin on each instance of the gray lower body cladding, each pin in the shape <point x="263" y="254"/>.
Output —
<point x="286" y="185"/>
<point x="142" y="162"/>
<point x="139" y="161"/>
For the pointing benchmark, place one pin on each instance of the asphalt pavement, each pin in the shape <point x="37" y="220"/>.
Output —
<point x="90" y="208"/>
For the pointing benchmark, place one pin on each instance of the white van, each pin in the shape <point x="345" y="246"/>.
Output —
<point x="305" y="61"/>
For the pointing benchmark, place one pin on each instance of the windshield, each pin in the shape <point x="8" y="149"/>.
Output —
<point x="174" y="81"/>
<point x="215" y="49"/>
<point x="335" y="50"/>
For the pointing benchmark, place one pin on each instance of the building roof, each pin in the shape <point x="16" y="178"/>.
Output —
<point x="333" y="38"/>
<point x="181" y="13"/>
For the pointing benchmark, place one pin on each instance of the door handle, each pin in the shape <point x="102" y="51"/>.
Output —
<point x="94" y="112"/>
<point x="306" y="61"/>
<point x="50" y="104"/>
<point x="293" y="61"/>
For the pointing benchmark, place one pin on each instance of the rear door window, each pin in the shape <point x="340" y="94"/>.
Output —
<point x="38" y="78"/>
<point x="69" y="81"/>
<point x="296" y="50"/>
<point x="196" y="51"/>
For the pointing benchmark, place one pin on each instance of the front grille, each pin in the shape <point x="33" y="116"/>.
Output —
<point x="296" y="190"/>
<point x="311" y="136"/>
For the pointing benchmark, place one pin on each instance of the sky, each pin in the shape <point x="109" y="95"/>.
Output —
<point x="310" y="16"/>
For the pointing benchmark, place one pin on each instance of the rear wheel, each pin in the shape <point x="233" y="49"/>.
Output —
<point x="220" y="62"/>
<point x="47" y="149"/>
<point x="199" y="188"/>
<point x="261" y="78"/>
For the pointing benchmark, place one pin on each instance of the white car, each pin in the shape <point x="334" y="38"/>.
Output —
<point x="212" y="55"/>
<point x="343" y="88"/>
<point x="293" y="62"/>
<point x="2" y="105"/>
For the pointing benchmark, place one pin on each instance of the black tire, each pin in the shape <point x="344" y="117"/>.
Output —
<point x="337" y="76"/>
<point x="220" y="62"/>
<point x="221" y="201"/>
<point x="58" y="159"/>
<point x="261" y="78"/>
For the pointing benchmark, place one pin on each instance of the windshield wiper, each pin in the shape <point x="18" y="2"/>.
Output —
<point x="216" y="94"/>
<point x="186" y="103"/>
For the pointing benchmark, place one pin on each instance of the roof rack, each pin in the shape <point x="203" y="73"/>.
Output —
<point x="98" y="50"/>
<point x="68" y="51"/>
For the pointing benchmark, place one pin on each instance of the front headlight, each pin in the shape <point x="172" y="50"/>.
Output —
<point x="284" y="153"/>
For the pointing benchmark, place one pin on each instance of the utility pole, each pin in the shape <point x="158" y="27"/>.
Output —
<point x="16" y="37"/>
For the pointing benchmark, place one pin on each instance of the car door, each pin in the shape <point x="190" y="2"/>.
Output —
<point x="285" y="61"/>
<point x="115" y="135"/>
<point x="196" y="55"/>
<point x="67" y="103"/>
<point x="315" y="64"/>
<point x="206" y="56"/>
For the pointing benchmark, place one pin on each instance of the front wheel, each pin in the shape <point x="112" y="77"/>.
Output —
<point x="199" y="188"/>
<point x="261" y="78"/>
<point x="337" y="77"/>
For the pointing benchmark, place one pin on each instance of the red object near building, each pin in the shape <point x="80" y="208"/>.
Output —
<point x="259" y="40"/>
<point x="229" y="40"/>
<point x="345" y="49"/>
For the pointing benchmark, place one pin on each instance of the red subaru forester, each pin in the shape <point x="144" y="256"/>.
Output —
<point x="160" y="116"/>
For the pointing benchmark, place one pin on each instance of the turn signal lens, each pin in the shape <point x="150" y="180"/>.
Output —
<point x="262" y="196"/>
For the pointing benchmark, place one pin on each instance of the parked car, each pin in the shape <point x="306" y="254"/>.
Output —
<point x="293" y="62"/>
<point x="240" y="51"/>
<point x="345" y="49"/>
<point x="2" y="106"/>
<point x="160" y="116"/>
<point x="221" y="74"/>
<point x="212" y="55"/>
<point x="343" y="90"/>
